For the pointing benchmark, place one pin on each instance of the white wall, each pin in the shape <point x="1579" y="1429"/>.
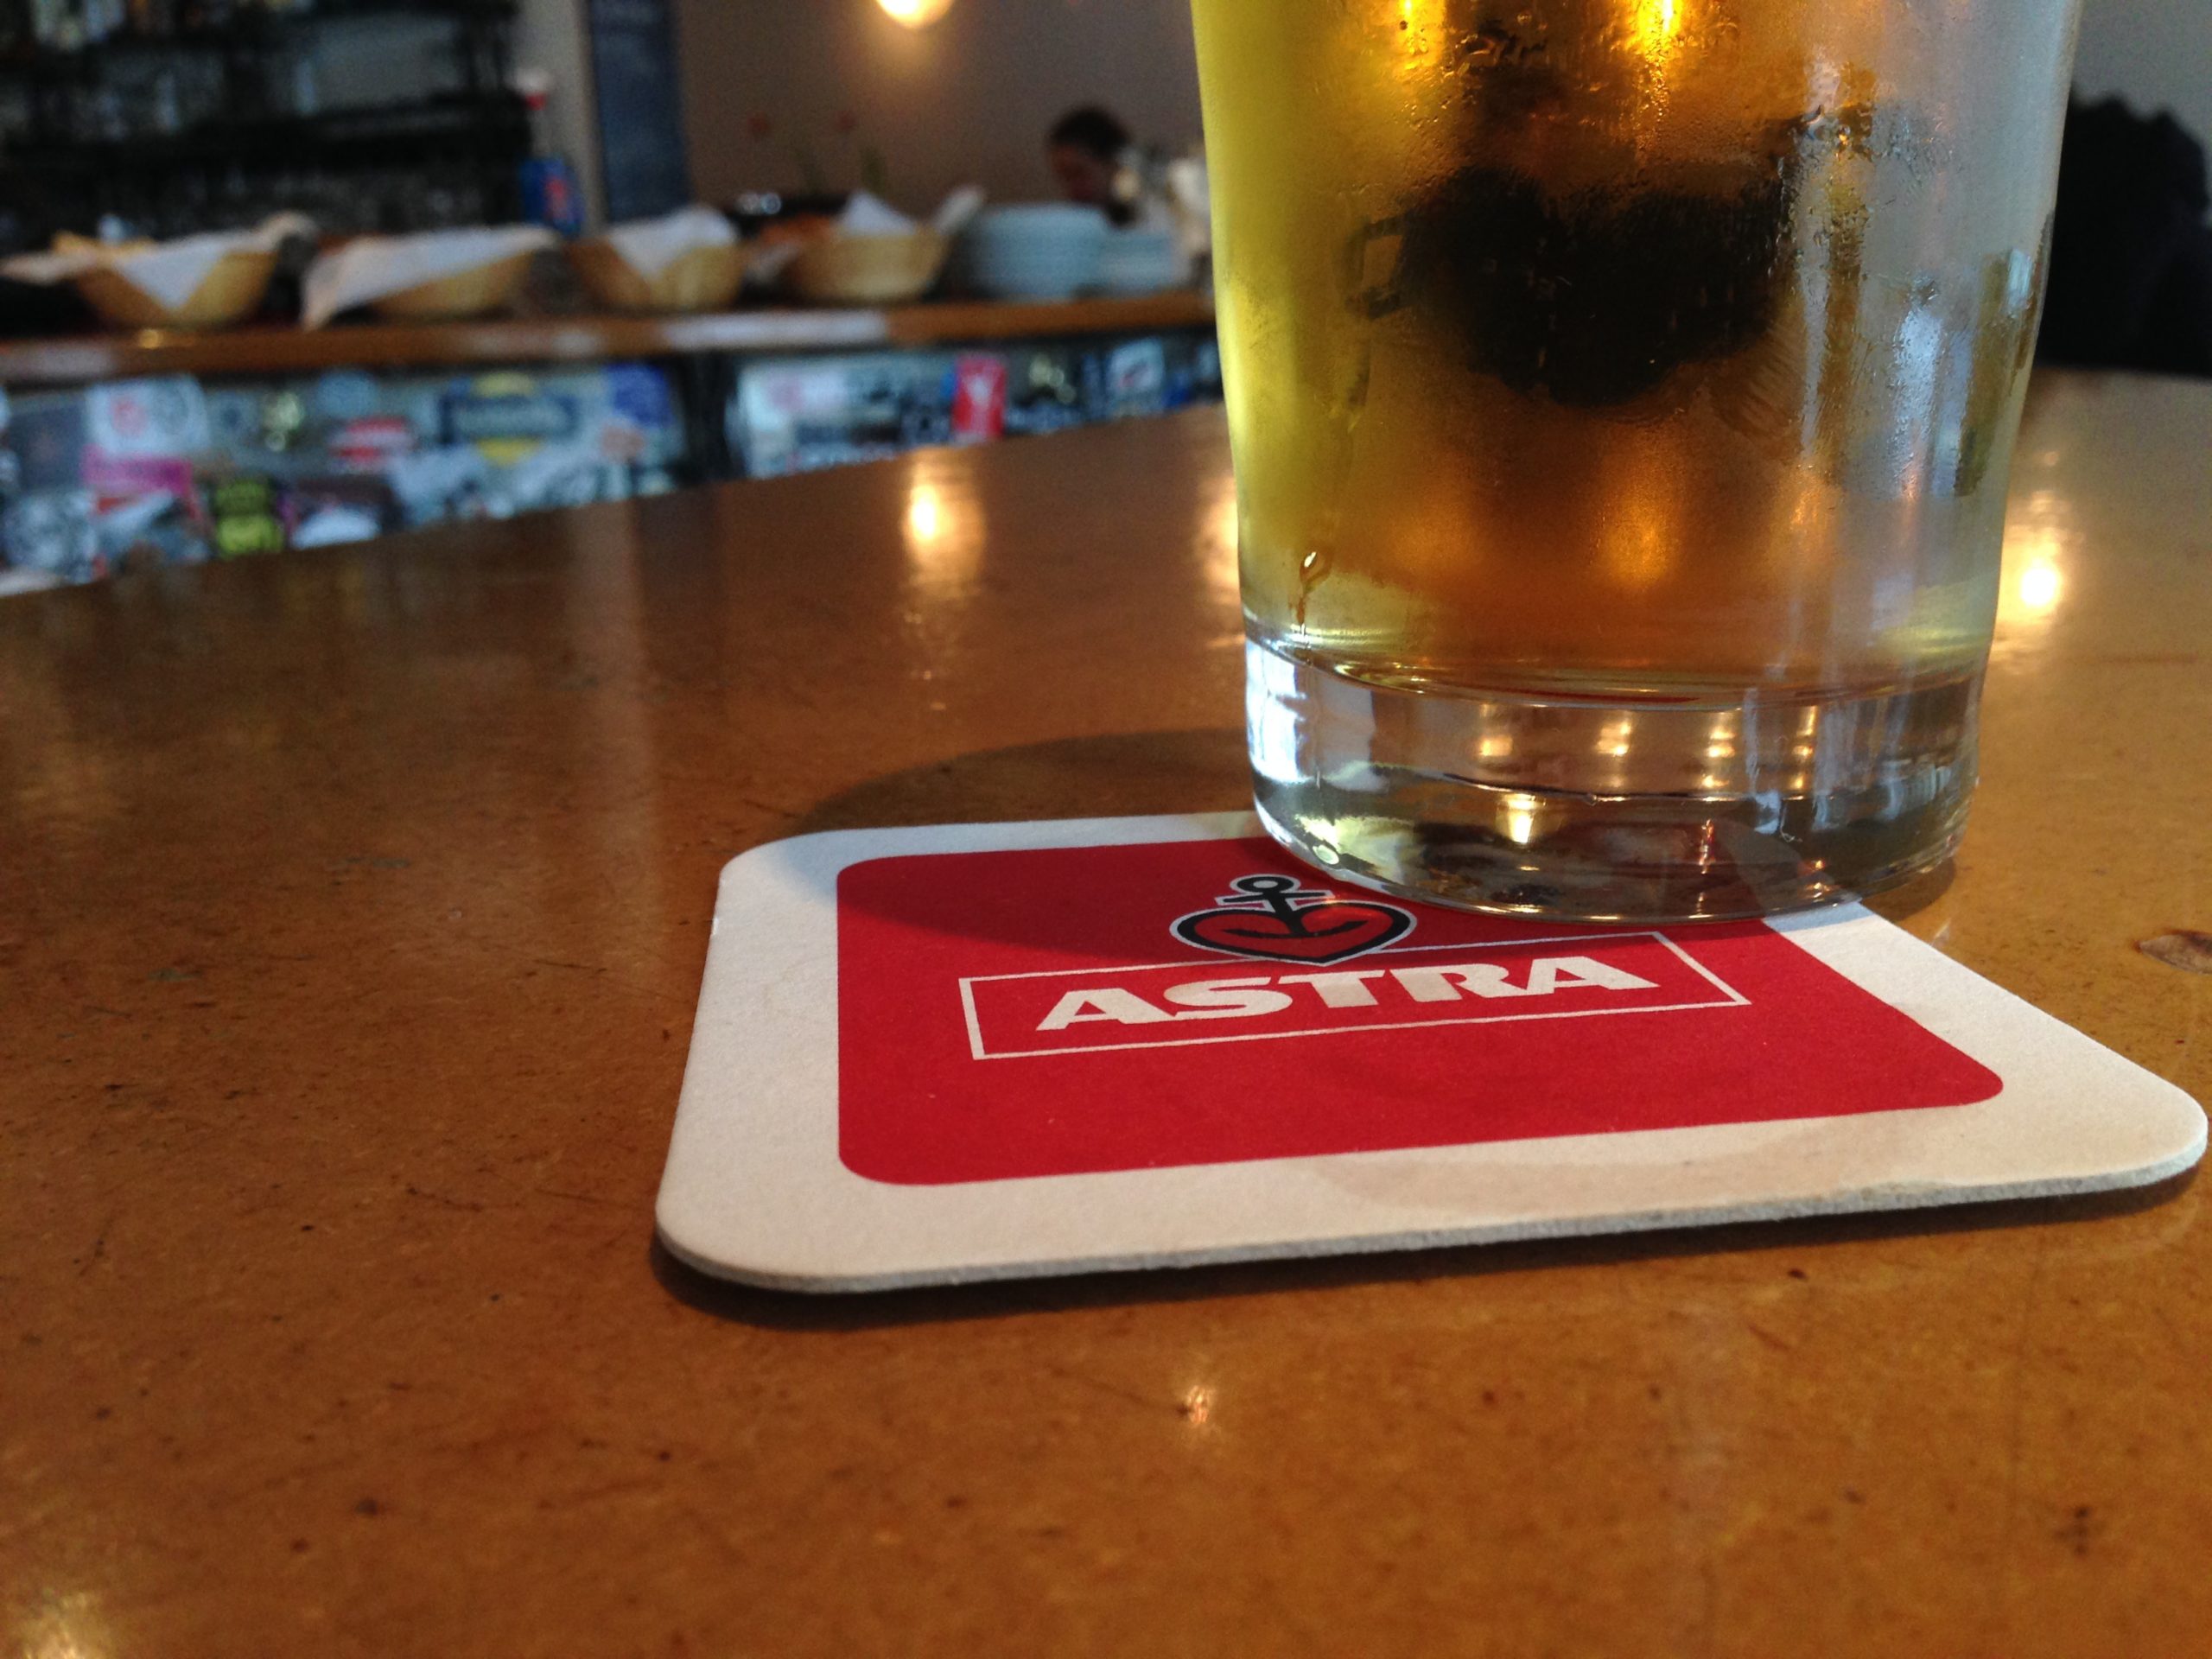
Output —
<point x="969" y="98"/>
<point x="550" y="35"/>
<point x="2155" y="54"/>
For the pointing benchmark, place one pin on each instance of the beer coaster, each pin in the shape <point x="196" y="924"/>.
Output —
<point x="980" y="1052"/>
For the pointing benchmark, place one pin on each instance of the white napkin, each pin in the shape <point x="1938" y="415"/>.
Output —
<point x="649" y="246"/>
<point x="870" y="215"/>
<point x="370" y="267"/>
<point x="955" y="210"/>
<point x="1191" y="196"/>
<point x="170" y="272"/>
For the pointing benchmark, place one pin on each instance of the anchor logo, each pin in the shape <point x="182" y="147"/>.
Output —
<point x="1275" y="919"/>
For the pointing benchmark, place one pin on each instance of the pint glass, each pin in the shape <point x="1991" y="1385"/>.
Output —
<point x="1621" y="395"/>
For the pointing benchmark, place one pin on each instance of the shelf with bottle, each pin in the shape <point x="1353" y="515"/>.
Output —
<point x="470" y="122"/>
<point x="53" y="37"/>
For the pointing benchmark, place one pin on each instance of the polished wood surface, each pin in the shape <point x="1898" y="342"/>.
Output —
<point x="352" y="912"/>
<point x="570" y="339"/>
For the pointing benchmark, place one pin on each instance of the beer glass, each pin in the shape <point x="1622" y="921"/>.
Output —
<point x="1621" y="395"/>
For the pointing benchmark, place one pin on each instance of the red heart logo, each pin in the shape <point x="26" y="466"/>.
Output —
<point x="1333" y="930"/>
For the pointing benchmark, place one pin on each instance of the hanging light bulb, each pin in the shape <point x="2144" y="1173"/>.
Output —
<point x="916" y="14"/>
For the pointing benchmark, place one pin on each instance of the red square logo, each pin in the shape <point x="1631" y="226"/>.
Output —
<point x="1068" y="1010"/>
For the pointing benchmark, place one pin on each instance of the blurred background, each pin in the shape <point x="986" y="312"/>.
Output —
<point x="175" y="115"/>
<point x="424" y="164"/>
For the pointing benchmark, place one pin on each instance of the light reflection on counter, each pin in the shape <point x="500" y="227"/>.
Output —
<point x="1218" y="550"/>
<point x="63" y="1627"/>
<point x="2041" y="586"/>
<point x="942" y="527"/>
<point x="925" y="515"/>
<point x="2040" y="540"/>
<point x="1198" y="1405"/>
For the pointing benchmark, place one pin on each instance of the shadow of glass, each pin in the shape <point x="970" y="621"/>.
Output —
<point x="1901" y="904"/>
<point x="1126" y="774"/>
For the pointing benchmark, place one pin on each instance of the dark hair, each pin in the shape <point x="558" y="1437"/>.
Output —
<point x="1090" y="129"/>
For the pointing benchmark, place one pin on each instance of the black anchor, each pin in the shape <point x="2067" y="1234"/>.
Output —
<point x="1322" y="917"/>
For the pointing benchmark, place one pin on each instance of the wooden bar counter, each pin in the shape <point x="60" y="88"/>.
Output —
<point x="276" y="350"/>
<point x="351" y="912"/>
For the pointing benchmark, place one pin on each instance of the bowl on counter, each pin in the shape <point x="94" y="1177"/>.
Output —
<point x="703" y="278"/>
<point x="476" y="292"/>
<point x="1043" y="251"/>
<point x="1138" y="261"/>
<point x="230" y="292"/>
<point x="887" y="270"/>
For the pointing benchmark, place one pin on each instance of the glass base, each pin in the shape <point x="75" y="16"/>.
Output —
<point x="1695" y="808"/>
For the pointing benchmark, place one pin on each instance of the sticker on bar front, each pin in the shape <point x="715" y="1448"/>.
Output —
<point x="987" y="1051"/>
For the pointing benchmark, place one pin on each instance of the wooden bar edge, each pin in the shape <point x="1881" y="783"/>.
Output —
<point x="576" y="340"/>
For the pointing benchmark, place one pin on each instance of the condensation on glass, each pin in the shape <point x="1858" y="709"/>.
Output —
<point x="1622" y="393"/>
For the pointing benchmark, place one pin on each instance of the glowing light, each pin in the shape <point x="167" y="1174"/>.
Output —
<point x="1521" y="819"/>
<point x="1198" y="1405"/>
<point x="915" y="14"/>
<point x="925" y="514"/>
<point x="1644" y="532"/>
<point x="2037" y="543"/>
<point x="1652" y="25"/>
<point x="944" y="530"/>
<point x="2041" y="586"/>
<point x="64" y="1627"/>
<point x="1217" y="550"/>
<point x="1421" y="33"/>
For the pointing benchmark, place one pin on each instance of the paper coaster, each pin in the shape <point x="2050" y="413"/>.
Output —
<point x="987" y="1050"/>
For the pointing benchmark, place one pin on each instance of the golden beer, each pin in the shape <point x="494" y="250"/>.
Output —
<point x="1622" y="393"/>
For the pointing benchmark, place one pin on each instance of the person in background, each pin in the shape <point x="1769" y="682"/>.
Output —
<point x="1100" y="165"/>
<point x="1096" y="161"/>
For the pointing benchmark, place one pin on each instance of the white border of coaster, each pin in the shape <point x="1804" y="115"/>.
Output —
<point x="754" y="1191"/>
